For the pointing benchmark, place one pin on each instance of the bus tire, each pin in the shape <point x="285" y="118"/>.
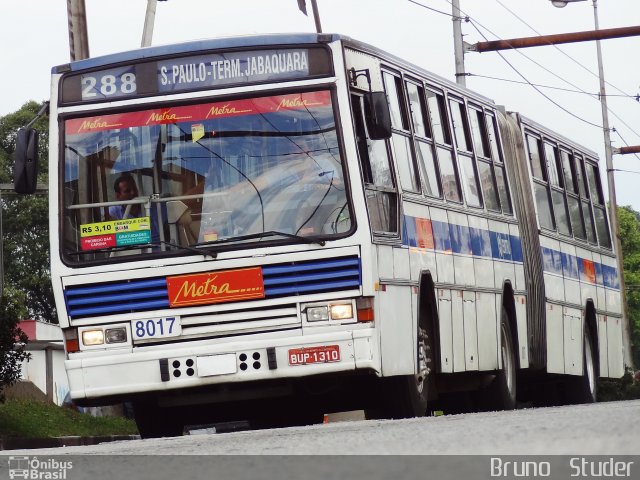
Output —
<point x="502" y="391"/>
<point x="155" y="422"/>
<point x="583" y="389"/>
<point x="405" y="396"/>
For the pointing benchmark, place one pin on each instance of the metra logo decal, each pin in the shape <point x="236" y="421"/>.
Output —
<point x="215" y="287"/>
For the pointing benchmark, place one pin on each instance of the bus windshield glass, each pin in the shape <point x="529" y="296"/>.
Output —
<point x="161" y="179"/>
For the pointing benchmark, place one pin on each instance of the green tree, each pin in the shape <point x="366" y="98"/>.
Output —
<point x="629" y="221"/>
<point x="26" y="221"/>
<point x="28" y="292"/>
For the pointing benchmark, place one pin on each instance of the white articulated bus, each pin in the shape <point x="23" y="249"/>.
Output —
<point x="270" y="228"/>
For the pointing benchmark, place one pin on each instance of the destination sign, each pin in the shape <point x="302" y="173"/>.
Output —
<point x="182" y="74"/>
<point x="212" y="70"/>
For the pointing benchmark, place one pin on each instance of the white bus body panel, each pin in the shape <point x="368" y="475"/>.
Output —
<point x="615" y="348"/>
<point x="397" y="324"/>
<point x="470" y="331"/>
<point x="555" y="339"/>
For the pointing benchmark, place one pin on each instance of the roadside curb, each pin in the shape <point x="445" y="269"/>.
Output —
<point x="19" y="443"/>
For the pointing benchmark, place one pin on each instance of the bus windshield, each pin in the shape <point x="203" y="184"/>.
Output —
<point x="150" y="181"/>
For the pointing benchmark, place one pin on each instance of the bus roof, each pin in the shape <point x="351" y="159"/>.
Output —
<point x="528" y="122"/>
<point x="394" y="60"/>
<point x="247" y="41"/>
<point x="195" y="46"/>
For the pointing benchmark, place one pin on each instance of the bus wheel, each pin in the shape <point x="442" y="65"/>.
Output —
<point x="155" y="422"/>
<point x="406" y="396"/>
<point x="502" y="391"/>
<point x="583" y="389"/>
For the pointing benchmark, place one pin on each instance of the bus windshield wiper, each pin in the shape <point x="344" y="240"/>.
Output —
<point x="261" y="235"/>
<point x="198" y="251"/>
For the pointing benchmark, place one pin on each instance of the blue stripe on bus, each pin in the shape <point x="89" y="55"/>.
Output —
<point x="449" y="237"/>
<point x="116" y="287"/>
<point x="569" y="266"/>
<point x="573" y="267"/>
<point x="409" y="231"/>
<point x="460" y="239"/>
<point x="292" y="278"/>
<point x="599" y="277"/>
<point x="480" y="242"/>
<point x="442" y="236"/>
<point x="610" y="275"/>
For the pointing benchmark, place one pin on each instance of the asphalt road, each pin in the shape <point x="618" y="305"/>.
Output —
<point x="598" y="429"/>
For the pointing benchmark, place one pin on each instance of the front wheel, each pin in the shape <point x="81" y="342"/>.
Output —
<point x="406" y="396"/>
<point x="155" y="422"/>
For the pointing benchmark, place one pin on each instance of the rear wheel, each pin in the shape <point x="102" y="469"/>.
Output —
<point x="406" y="396"/>
<point x="155" y="422"/>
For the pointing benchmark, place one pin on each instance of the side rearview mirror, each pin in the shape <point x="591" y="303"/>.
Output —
<point x="25" y="167"/>
<point x="377" y="115"/>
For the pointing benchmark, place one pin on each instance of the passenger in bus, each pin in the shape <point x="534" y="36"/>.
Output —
<point x="125" y="189"/>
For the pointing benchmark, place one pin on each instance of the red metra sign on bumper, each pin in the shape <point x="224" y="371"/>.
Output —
<point x="215" y="287"/>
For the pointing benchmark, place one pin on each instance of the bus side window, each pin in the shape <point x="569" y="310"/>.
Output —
<point x="422" y="136"/>
<point x="460" y="126"/>
<point x="498" y="164"/>
<point x="438" y="117"/>
<point x="535" y="158"/>
<point x="401" y="134"/>
<point x="468" y="172"/>
<point x="382" y="200"/>
<point x="599" y="209"/>
<point x="587" y="213"/>
<point x="541" y="192"/>
<point x="556" y="184"/>
<point x="573" y="199"/>
<point x="483" y="155"/>
<point x="444" y="151"/>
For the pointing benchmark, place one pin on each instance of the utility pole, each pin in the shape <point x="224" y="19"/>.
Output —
<point x="149" y="21"/>
<point x="302" y="5"/>
<point x="626" y="150"/>
<point x="613" y="204"/>
<point x="458" y="43"/>
<point x="316" y="16"/>
<point x="545" y="40"/>
<point x="596" y="35"/>
<point x="78" y="38"/>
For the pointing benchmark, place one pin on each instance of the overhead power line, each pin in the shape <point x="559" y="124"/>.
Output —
<point x="560" y="50"/>
<point x="566" y="110"/>
<point x="581" y="92"/>
<point x="436" y="10"/>
<point x="476" y="24"/>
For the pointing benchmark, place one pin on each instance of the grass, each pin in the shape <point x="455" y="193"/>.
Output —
<point x="625" y="388"/>
<point x="32" y="419"/>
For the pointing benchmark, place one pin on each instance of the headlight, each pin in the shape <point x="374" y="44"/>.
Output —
<point x="116" y="335"/>
<point x="316" y="314"/>
<point x="341" y="312"/>
<point x="92" y="337"/>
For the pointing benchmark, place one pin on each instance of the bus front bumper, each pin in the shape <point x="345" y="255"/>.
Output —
<point x="198" y="363"/>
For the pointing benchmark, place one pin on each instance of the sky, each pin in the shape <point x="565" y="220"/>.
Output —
<point x="34" y="37"/>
